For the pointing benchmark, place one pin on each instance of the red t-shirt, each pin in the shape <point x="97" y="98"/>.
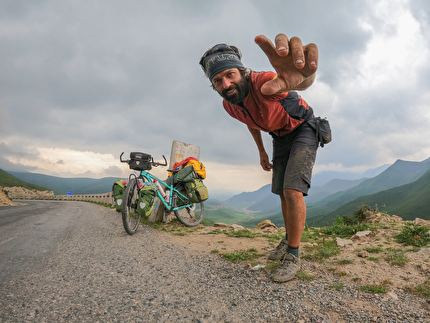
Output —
<point x="280" y="113"/>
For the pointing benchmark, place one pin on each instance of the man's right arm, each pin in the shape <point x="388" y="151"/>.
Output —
<point x="264" y="158"/>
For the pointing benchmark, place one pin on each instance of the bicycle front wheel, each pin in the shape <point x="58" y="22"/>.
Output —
<point x="188" y="216"/>
<point x="130" y="216"/>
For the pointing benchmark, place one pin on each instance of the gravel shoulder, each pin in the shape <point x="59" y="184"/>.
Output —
<point x="98" y="273"/>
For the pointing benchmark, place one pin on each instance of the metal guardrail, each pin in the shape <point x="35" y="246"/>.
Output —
<point x="106" y="198"/>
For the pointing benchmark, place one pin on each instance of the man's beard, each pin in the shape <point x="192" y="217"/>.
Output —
<point x="242" y="91"/>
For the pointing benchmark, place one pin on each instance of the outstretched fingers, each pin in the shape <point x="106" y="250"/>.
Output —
<point x="311" y="51"/>
<point x="294" y="63"/>
<point x="281" y="49"/>
<point x="282" y="45"/>
<point x="298" y="53"/>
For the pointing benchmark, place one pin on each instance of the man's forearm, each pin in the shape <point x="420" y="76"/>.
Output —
<point x="264" y="159"/>
<point x="256" y="134"/>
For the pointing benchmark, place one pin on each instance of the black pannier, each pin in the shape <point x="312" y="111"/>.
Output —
<point x="140" y="161"/>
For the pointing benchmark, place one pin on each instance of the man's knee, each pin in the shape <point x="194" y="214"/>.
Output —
<point x="292" y="195"/>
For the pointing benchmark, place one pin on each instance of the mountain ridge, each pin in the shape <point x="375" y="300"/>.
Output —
<point x="399" y="173"/>
<point x="60" y="185"/>
<point x="408" y="201"/>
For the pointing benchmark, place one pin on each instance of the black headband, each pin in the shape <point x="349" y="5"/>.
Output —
<point x="220" y="61"/>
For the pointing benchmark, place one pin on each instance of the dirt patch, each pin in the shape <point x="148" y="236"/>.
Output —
<point x="4" y="200"/>
<point x="208" y="239"/>
<point x="369" y="259"/>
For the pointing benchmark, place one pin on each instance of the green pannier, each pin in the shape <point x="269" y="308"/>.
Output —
<point x="196" y="191"/>
<point x="184" y="175"/>
<point x="147" y="199"/>
<point x="118" y="190"/>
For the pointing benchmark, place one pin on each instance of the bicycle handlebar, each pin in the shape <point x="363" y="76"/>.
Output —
<point x="153" y="163"/>
<point x="160" y="164"/>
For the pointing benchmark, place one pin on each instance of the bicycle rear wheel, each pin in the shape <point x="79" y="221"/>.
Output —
<point x="130" y="216"/>
<point x="189" y="216"/>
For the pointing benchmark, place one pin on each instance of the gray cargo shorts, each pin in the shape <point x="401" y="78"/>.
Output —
<point x="293" y="160"/>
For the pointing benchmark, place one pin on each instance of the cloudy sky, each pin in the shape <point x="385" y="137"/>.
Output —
<point x="82" y="81"/>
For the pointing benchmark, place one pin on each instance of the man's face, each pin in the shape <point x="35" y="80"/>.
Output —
<point x="231" y="85"/>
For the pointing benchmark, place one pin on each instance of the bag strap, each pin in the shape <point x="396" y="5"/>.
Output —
<point x="318" y="135"/>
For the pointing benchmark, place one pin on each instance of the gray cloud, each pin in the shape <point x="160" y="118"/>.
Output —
<point x="113" y="76"/>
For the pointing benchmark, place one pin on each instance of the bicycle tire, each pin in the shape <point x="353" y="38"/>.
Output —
<point x="189" y="216"/>
<point x="130" y="216"/>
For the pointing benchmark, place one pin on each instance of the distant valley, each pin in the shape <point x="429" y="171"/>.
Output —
<point x="402" y="188"/>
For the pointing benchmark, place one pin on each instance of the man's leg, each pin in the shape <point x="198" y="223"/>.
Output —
<point x="294" y="213"/>
<point x="293" y="160"/>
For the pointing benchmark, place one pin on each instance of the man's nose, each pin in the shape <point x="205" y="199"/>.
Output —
<point x="226" y="83"/>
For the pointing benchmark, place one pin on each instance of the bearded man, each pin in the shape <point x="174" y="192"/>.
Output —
<point x="267" y="101"/>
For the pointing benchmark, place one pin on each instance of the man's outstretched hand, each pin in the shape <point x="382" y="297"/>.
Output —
<point x="294" y="63"/>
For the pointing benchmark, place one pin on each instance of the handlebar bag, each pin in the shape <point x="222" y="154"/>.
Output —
<point x="140" y="161"/>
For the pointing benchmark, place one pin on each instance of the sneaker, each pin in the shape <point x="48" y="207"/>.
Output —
<point x="290" y="264"/>
<point x="280" y="250"/>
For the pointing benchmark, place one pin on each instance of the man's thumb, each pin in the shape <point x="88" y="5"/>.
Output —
<point x="272" y="87"/>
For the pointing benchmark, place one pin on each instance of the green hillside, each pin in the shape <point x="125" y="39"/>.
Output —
<point x="61" y="186"/>
<point x="400" y="173"/>
<point x="8" y="180"/>
<point x="408" y="201"/>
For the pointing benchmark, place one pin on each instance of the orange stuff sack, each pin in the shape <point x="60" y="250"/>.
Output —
<point x="198" y="166"/>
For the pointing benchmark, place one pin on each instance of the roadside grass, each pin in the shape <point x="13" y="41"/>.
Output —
<point x="322" y="251"/>
<point x="373" y="249"/>
<point x="273" y="238"/>
<point x="305" y="276"/>
<point x="422" y="290"/>
<point x="396" y="259"/>
<point x="337" y="286"/>
<point x="341" y="262"/>
<point x="373" y="289"/>
<point x="239" y="256"/>
<point x="272" y="265"/>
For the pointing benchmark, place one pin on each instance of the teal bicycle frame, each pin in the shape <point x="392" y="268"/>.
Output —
<point x="169" y="204"/>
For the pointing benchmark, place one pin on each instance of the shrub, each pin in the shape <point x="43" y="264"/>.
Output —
<point x="345" y="227"/>
<point x="414" y="235"/>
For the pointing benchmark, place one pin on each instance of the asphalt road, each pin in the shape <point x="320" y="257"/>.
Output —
<point x="30" y="232"/>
